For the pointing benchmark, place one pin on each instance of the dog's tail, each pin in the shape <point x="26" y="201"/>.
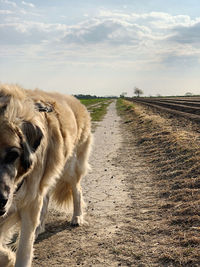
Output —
<point x="62" y="195"/>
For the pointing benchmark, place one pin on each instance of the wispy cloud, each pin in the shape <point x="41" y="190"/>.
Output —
<point x="9" y="3"/>
<point x="29" y="32"/>
<point x="28" y="4"/>
<point x="6" y="12"/>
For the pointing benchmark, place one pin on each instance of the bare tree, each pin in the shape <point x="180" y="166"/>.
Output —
<point x="138" y="91"/>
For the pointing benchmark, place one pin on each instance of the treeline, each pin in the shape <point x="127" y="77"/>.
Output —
<point x="80" y="96"/>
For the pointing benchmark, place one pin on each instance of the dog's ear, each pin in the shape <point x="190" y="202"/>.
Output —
<point x="33" y="135"/>
<point x="4" y="100"/>
<point x="26" y="160"/>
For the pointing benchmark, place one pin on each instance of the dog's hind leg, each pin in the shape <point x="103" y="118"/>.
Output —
<point x="68" y="187"/>
<point x="80" y="169"/>
<point x="68" y="191"/>
<point x="77" y="218"/>
<point x="41" y="227"/>
<point x="30" y="216"/>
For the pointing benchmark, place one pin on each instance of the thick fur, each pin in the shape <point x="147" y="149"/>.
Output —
<point x="52" y="135"/>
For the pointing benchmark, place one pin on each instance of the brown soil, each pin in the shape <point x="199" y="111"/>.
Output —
<point x="126" y="220"/>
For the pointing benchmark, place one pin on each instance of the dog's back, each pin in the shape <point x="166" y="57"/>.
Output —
<point x="72" y="114"/>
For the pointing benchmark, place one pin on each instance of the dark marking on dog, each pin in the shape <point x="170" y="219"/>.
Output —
<point x="11" y="155"/>
<point x="43" y="108"/>
<point x="19" y="186"/>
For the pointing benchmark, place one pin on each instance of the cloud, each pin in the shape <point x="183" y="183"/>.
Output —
<point x="9" y="3"/>
<point x="185" y="61"/>
<point x="22" y="11"/>
<point x="164" y="21"/>
<point x="116" y="27"/>
<point x="91" y="31"/>
<point x="111" y="27"/>
<point x="29" y="32"/>
<point x="6" y="12"/>
<point x="156" y="19"/>
<point x="113" y="14"/>
<point x="28" y="4"/>
<point x="107" y="30"/>
<point x="187" y="35"/>
<point x="124" y="37"/>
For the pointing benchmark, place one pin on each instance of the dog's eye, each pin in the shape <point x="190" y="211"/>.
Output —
<point x="11" y="156"/>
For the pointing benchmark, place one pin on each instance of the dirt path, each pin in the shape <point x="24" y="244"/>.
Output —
<point x="121" y="213"/>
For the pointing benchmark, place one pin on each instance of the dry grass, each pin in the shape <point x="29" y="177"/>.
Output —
<point x="171" y="148"/>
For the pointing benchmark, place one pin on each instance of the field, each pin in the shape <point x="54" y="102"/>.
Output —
<point x="170" y="146"/>
<point x="142" y="194"/>
<point x="180" y="106"/>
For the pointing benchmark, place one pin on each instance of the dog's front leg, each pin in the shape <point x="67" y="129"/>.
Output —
<point x="29" y="221"/>
<point x="7" y="257"/>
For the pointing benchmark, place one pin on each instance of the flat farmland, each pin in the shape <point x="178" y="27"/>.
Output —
<point x="167" y="136"/>
<point x="188" y="107"/>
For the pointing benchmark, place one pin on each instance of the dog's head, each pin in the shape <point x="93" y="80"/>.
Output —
<point x="18" y="143"/>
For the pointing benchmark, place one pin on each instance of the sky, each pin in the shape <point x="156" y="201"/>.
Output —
<point x="101" y="47"/>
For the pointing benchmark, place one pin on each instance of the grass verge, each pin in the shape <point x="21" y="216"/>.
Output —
<point x="97" y="107"/>
<point x="172" y="151"/>
<point x="123" y="105"/>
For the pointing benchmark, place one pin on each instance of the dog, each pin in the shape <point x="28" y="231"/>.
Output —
<point x="45" y="141"/>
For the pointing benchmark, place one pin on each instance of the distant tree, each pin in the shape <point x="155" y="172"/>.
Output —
<point x="138" y="91"/>
<point x="188" y="94"/>
<point x="123" y="94"/>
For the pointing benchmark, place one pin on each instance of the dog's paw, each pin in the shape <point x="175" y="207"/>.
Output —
<point x="77" y="221"/>
<point x="7" y="258"/>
